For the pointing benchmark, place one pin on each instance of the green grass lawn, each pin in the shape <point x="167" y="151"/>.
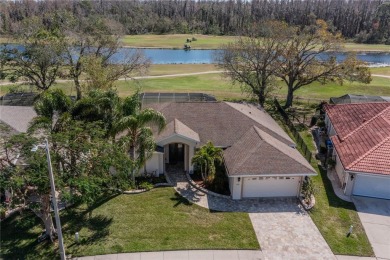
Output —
<point x="152" y="221"/>
<point x="332" y="215"/>
<point x="176" y="41"/>
<point x="360" y="47"/>
<point x="168" y="69"/>
<point x="217" y="85"/>
<point x="381" y="71"/>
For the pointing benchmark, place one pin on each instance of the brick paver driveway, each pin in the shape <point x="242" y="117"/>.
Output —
<point x="287" y="232"/>
<point x="283" y="229"/>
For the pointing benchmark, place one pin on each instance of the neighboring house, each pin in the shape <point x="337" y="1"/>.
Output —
<point x="13" y="120"/>
<point x="351" y="98"/>
<point x="17" y="117"/>
<point x="260" y="158"/>
<point x="360" y="134"/>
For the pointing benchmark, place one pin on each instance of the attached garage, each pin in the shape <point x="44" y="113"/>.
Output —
<point x="372" y="186"/>
<point x="270" y="187"/>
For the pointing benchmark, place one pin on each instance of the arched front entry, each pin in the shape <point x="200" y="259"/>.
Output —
<point x="177" y="155"/>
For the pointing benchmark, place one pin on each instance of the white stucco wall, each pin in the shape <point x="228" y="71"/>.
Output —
<point x="348" y="184"/>
<point x="236" y="187"/>
<point x="154" y="164"/>
<point x="339" y="169"/>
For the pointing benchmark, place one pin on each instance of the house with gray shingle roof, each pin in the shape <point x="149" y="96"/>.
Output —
<point x="360" y="134"/>
<point x="259" y="157"/>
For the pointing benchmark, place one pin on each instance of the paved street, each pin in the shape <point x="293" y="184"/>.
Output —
<point x="375" y="217"/>
<point x="183" y="255"/>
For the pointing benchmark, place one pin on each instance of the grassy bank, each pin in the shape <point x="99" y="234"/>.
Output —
<point x="217" y="85"/>
<point x="381" y="71"/>
<point x="152" y="221"/>
<point x="177" y="41"/>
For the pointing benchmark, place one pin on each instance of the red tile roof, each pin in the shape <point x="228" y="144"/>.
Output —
<point x="362" y="138"/>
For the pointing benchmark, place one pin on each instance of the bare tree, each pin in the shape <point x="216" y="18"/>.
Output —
<point x="39" y="59"/>
<point x="307" y="57"/>
<point x="92" y="43"/>
<point x="250" y="61"/>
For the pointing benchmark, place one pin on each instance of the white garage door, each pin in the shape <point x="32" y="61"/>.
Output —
<point x="372" y="186"/>
<point x="270" y="187"/>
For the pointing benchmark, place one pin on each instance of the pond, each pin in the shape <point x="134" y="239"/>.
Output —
<point x="173" y="56"/>
<point x="169" y="56"/>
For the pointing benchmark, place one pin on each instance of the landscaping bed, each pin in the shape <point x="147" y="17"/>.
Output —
<point x="219" y="185"/>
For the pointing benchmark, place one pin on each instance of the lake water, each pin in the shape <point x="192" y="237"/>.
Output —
<point x="167" y="56"/>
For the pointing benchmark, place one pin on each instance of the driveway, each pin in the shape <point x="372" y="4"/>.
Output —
<point x="286" y="231"/>
<point x="375" y="217"/>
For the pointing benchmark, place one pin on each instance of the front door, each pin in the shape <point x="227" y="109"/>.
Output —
<point x="176" y="153"/>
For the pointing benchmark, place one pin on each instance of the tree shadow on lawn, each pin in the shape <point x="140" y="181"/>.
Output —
<point x="19" y="241"/>
<point x="75" y="218"/>
<point x="179" y="199"/>
<point x="20" y="232"/>
<point x="333" y="200"/>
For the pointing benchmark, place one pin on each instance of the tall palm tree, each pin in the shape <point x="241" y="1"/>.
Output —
<point x="205" y="158"/>
<point x="138" y="124"/>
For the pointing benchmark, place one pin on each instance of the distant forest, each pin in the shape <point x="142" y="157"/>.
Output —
<point x="365" y="21"/>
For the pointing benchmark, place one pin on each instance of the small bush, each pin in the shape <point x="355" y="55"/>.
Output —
<point x="145" y="185"/>
<point x="194" y="39"/>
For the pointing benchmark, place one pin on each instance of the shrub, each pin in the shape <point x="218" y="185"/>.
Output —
<point x="194" y="39"/>
<point x="145" y="185"/>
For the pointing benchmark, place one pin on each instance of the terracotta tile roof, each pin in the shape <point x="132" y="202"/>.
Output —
<point x="362" y="138"/>
<point x="177" y="127"/>
<point x="17" y="117"/>
<point x="348" y="117"/>
<point x="257" y="152"/>
<point x="219" y="122"/>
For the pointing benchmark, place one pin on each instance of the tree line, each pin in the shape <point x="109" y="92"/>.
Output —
<point x="364" y="20"/>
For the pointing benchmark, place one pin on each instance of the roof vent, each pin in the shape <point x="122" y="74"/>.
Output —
<point x="364" y="119"/>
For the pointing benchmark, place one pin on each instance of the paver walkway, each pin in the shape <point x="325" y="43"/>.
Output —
<point x="283" y="229"/>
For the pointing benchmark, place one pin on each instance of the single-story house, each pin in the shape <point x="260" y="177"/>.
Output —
<point x="360" y="134"/>
<point x="260" y="158"/>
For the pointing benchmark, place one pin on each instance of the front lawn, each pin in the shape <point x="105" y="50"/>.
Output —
<point x="156" y="220"/>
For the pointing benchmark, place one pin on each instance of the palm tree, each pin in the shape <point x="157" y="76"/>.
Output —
<point x="52" y="108"/>
<point x="205" y="158"/>
<point x="138" y="124"/>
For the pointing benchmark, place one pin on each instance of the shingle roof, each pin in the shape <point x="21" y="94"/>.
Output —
<point x="177" y="127"/>
<point x="17" y="117"/>
<point x="362" y="138"/>
<point x="220" y="122"/>
<point x="258" y="153"/>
